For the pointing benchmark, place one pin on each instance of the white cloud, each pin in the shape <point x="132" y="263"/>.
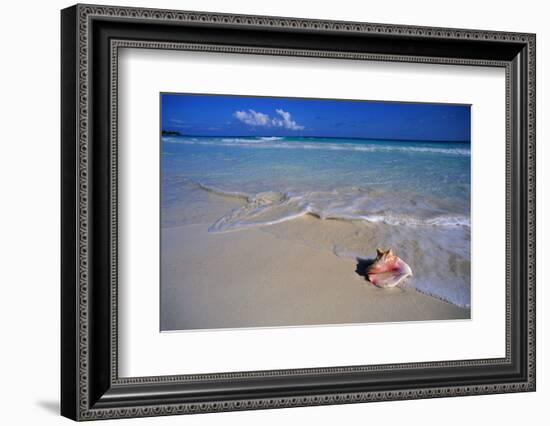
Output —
<point x="254" y="118"/>
<point x="285" y="121"/>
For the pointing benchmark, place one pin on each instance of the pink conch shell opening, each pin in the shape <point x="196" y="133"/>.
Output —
<point x="387" y="270"/>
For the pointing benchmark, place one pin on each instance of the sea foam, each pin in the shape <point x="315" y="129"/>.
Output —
<point x="347" y="204"/>
<point x="310" y="144"/>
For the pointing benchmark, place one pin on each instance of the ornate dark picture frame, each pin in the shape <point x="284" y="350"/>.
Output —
<point x="90" y="385"/>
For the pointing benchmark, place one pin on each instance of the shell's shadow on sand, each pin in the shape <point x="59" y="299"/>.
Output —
<point x="362" y="265"/>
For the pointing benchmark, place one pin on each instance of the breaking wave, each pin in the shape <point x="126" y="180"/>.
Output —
<point x="305" y="143"/>
<point x="347" y="204"/>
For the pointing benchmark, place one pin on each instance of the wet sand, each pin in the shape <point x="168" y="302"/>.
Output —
<point x="256" y="278"/>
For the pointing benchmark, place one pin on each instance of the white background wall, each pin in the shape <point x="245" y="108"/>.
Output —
<point x="29" y="213"/>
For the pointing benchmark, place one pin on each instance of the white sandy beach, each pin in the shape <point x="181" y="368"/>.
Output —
<point x="255" y="278"/>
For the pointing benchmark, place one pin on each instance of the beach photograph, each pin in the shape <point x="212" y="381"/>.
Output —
<point x="285" y="212"/>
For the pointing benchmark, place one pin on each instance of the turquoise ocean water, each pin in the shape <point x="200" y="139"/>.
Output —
<point x="411" y="196"/>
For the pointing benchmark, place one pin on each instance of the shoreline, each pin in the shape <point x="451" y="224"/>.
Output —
<point x="257" y="277"/>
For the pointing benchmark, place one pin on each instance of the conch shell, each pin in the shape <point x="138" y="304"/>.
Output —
<point x="387" y="270"/>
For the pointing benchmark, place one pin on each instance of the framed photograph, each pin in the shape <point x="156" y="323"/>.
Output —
<point x="263" y="212"/>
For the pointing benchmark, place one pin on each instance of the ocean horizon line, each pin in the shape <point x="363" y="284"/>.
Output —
<point x="177" y="133"/>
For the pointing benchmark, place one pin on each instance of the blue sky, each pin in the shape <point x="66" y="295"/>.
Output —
<point x="222" y="115"/>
